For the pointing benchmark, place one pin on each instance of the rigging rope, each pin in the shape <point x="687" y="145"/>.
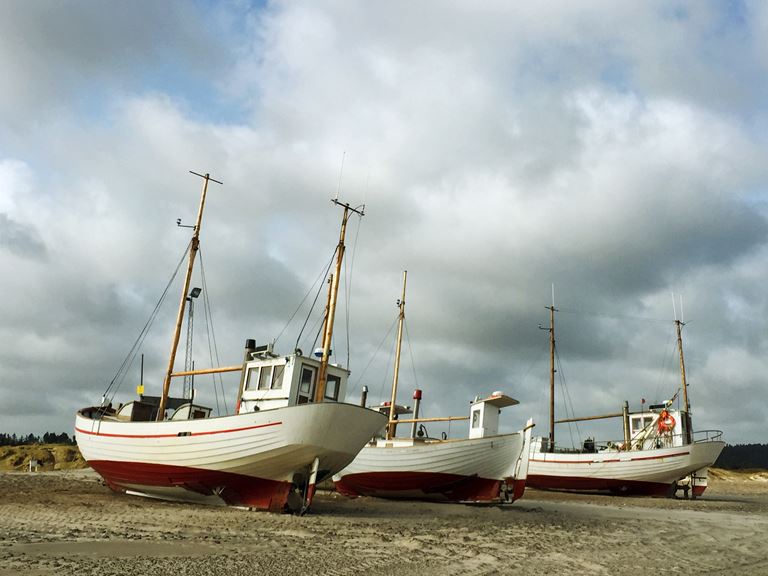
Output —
<point x="211" y="332"/>
<point x="309" y="314"/>
<point x="611" y="316"/>
<point x="567" y="400"/>
<point x="373" y="357"/>
<point x="410" y="351"/>
<point x="348" y="285"/>
<point x="122" y="371"/>
<point x="322" y="274"/>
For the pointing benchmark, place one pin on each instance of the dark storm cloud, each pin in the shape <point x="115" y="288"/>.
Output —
<point x="499" y="150"/>
<point x="20" y="240"/>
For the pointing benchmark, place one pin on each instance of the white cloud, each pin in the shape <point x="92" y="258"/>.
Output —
<point x="610" y="149"/>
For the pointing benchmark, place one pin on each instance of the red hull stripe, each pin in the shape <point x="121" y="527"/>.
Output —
<point x="91" y="433"/>
<point x="609" y="461"/>
<point x="234" y="489"/>
<point x="597" y="484"/>
<point x="425" y="485"/>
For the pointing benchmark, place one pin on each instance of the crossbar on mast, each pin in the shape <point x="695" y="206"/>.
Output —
<point x="333" y="292"/>
<point x="221" y="369"/>
<point x="581" y="419"/>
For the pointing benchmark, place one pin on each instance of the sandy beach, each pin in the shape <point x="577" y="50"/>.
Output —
<point x="67" y="522"/>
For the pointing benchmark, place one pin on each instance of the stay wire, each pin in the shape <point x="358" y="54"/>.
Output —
<point x="212" y="335"/>
<point x="348" y="284"/>
<point x="410" y="352"/>
<point x="122" y="371"/>
<point x="323" y="273"/>
<point x="314" y="302"/>
<point x="373" y="356"/>
<point x="610" y="316"/>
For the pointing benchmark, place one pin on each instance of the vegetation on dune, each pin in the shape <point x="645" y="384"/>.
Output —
<point x="744" y="457"/>
<point x="48" y="456"/>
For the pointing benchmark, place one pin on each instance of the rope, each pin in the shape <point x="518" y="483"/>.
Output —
<point x="309" y="314"/>
<point x="122" y="371"/>
<point x="323" y="272"/>
<point x="373" y="357"/>
<point x="611" y="316"/>
<point x="211" y="333"/>
<point x="410" y="351"/>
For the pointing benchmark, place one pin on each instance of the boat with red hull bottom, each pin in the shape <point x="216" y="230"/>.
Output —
<point x="290" y="428"/>
<point x="479" y="470"/>
<point x="485" y="467"/>
<point x="658" y="454"/>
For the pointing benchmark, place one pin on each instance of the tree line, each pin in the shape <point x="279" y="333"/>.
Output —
<point x="743" y="456"/>
<point x="47" y="438"/>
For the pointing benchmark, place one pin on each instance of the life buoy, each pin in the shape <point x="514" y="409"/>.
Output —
<point x="666" y="422"/>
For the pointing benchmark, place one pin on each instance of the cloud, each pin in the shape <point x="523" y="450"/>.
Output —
<point x="498" y="149"/>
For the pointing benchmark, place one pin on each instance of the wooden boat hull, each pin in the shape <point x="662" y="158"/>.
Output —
<point x="489" y="469"/>
<point x="643" y="472"/>
<point x="257" y="459"/>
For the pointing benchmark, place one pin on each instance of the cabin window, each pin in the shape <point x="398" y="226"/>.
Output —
<point x="636" y="423"/>
<point x="332" y="387"/>
<point x="264" y="377"/>
<point x="277" y="377"/>
<point x="475" y="418"/>
<point x="306" y="385"/>
<point x="253" y="379"/>
<point x="648" y="420"/>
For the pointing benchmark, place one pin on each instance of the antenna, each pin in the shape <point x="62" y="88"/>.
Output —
<point x="682" y="315"/>
<point x="674" y="309"/>
<point x="367" y="182"/>
<point x="341" y="171"/>
<point x="553" y="294"/>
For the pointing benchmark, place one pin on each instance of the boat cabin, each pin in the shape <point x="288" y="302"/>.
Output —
<point x="661" y="427"/>
<point x="484" y="414"/>
<point x="273" y="381"/>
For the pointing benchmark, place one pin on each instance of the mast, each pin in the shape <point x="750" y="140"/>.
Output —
<point x="551" y="331"/>
<point x="195" y="245"/>
<point x="333" y="292"/>
<point x="552" y="378"/>
<point x="687" y="408"/>
<point x="392" y="425"/>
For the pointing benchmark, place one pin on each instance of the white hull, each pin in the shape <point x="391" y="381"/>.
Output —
<point x="476" y="469"/>
<point x="255" y="459"/>
<point x="652" y="471"/>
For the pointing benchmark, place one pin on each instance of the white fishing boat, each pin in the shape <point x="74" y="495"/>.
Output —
<point x="484" y="467"/>
<point x="290" y="428"/>
<point x="658" y="452"/>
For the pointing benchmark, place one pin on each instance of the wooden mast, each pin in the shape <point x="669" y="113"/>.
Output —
<point x="187" y="279"/>
<point x="322" y="376"/>
<point x="551" y="330"/>
<point x="392" y="425"/>
<point x="679" y="329"/>
<point x="552" y="378"/>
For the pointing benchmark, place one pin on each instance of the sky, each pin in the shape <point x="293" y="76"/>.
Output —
<point x="611" y="153"/>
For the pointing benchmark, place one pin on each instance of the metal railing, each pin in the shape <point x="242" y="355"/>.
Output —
<point x="707" y="436"/>
<point x="656" y="442"/>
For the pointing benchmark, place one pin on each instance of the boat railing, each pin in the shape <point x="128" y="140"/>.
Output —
<point x="591" y="446"/>
<point x="707" y="436"/>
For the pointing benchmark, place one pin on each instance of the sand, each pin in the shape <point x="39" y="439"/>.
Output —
<point x="67" y="522"/>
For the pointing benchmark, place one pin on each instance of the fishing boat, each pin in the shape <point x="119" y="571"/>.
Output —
<point x="658" y="453"/>
<point x="485" y="467"/>
<point x="290" y="428"/>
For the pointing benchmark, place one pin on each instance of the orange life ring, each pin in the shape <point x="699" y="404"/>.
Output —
<point x="666" y="422"/>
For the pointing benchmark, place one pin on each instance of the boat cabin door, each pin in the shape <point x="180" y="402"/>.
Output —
<point x="306" y="384"/>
